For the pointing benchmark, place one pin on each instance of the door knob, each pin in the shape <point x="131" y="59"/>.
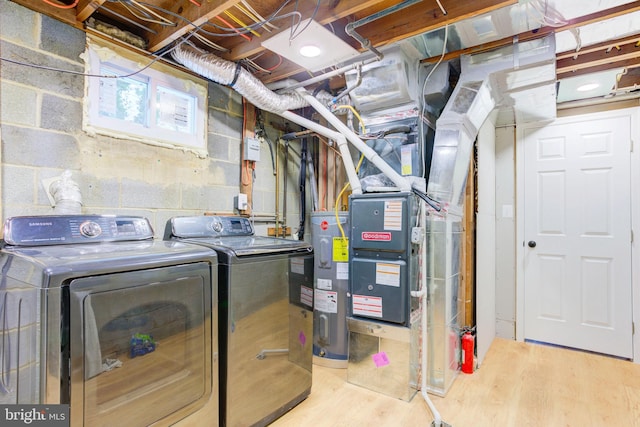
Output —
<point x="532" y="243"/>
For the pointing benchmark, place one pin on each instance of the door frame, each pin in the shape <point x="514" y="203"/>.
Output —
<point x="634" y="115"/>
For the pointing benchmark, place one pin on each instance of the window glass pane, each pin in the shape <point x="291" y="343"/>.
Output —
<point x="175" y="110"/>
<point x="123" y="98"/>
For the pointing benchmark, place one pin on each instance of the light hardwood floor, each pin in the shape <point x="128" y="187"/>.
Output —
<point x="519" y="384"/>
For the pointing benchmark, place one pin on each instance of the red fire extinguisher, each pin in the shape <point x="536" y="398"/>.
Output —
<point x="467" y="352"/>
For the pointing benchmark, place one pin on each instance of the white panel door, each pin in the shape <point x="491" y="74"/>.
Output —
<point x="577" y="228"/>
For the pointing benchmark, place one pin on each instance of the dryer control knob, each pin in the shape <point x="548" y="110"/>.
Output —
<point x="90" y="229"/>
<point x="217" y="226"/>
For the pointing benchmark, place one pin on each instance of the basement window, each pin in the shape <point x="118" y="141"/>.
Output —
<point x="158" y="105"/>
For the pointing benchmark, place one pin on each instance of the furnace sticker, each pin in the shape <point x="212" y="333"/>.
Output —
<point x="367" y="306"/>
<point x="406" y="158"/>
<point x="393" y="215"/>
<point x="387" y="274"/>
<point x="306" y="296"/>
<point x="297" y="265"/>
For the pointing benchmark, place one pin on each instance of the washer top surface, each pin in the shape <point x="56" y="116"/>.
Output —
<point x="234" y="235"/>
<point x="59" y="248"/>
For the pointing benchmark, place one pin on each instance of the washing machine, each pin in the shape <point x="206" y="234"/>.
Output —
<point x="97" y="315"/>
<point x="265" y="318"/>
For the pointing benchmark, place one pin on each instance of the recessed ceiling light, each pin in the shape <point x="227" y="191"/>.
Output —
<point x="330" y="49"/>
<point x="310" y="51"/>
<point x="587" y="87"/>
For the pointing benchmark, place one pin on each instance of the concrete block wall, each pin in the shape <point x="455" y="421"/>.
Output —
<point x="41" y="133"/>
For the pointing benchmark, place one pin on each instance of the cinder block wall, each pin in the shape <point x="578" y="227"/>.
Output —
<point x="41" y="132"/>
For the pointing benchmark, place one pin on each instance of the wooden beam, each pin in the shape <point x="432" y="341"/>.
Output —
<point x="623" y="52"/>
<point x="424" y="17"/>
<point x="410" y="22"/>
<point x="630" y="63"/>
<point x="86" y="8"/>
<point x="611" y="44"/>
<point x="543" y="31"/>
<point x="609" y="57"/>
<point x="630" y="80"/>
<point x="192" y="14"/>
<point x="68" y="16"/>
<point x="327" y="13"/>
<point x="246" y="166"/>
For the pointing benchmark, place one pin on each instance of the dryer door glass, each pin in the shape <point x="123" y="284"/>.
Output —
<point x="142" y="340"/>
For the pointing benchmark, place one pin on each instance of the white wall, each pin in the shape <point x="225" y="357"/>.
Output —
<point x="505" y="210"/>
<point x="486" y="240"/>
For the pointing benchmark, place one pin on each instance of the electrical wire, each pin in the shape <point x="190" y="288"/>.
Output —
<point x="423" y="110"/>
<point x="236" y="30"/>
<point x="242" y="24"/>
<point x="344" y="237"/>
<point x="209" y="43"/>
<point x="264" y="69"/>
<point x="161" y="21"/>
<point x="251" y="16"/>
<point x="545" y="13"/>
<point x="444" y="12"/>
<point x="294" y="30"/>
<point x="273" y="17"/>
<point x="156" y="58"/>
<point x="258" y="16"/>
<point x="59" y="6"/>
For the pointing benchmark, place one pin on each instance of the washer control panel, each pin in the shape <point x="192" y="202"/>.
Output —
<point x="67" y="229"/>
<point x="208" y="226"/>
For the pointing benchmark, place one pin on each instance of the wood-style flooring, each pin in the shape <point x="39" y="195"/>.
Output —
<point x="518" y="384"/>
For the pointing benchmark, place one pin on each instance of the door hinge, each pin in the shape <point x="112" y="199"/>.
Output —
<point x="633" y="328"/>
<point x="632" y="145"/>
<point x="632" y="236"/>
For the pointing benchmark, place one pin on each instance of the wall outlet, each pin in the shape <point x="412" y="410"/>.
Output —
<point x="242" y="203"/>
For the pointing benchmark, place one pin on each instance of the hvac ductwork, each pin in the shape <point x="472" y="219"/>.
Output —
<point x="228" y="73"/>
<point x="231" y="74"/>
<point x="504" y="78"/>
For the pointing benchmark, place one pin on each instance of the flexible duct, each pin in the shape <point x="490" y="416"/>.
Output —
<point x="228" y="73"/>
<point x="66" y="195"/>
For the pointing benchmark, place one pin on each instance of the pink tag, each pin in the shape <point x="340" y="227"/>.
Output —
<point x="302" y="338"/>
<point x="380" y="359"/>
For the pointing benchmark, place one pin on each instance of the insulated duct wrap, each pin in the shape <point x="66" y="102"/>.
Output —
<point x="503" y="77"/>
<point x="224" y="72"/>
<point x="456" y="130"/>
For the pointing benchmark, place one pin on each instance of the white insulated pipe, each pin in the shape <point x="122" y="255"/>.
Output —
<point x="340" y="139"/>
<point x="402" y="183"/>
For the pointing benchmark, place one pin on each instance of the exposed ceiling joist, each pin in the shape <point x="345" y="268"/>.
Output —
<point x="389" y="21"/>
<point x="543" y="31"/>
<point x="424" y="17"/>
<point x="623" y="52"/>
<point x="191" y="16"/>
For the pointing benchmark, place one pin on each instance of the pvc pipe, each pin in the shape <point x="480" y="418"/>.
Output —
<point x="437" y="419"/>
<point x="402" y="183"/>
<point x="329" y="74"/>
<point x="340" y="139"/>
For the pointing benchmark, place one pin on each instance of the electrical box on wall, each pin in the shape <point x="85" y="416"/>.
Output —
<point x="251" y="149"/>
